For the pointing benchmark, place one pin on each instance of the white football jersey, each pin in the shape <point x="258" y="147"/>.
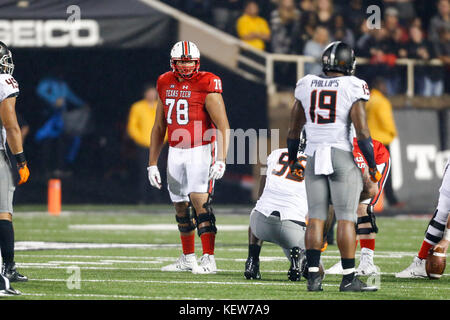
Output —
<point x="8" y="87"/>
<point x="283" y="192"/>
<point x="327" y="102"/>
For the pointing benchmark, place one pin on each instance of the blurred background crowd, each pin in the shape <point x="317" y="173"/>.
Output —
<point x="408" y="29"/>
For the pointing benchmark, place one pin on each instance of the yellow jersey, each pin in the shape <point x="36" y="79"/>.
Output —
<point x="140" y="122"/>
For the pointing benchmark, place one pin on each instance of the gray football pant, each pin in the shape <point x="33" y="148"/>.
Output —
<point x="342" y="188"/>
<point x="285" y="233"/>
<point x="6" y="184"/>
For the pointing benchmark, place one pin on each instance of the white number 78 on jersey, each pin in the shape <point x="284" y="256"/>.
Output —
<point x="181" y="108"/>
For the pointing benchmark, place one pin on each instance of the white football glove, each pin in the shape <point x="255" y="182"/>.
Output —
<point x="154" y="177"/>
<point x="217" y="170"/>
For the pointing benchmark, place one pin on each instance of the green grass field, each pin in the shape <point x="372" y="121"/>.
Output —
<point x="119" y="252"/>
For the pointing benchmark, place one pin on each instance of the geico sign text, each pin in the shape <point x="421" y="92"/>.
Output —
<point x="49" y="33"/>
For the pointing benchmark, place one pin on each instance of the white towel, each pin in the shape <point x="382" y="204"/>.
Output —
<point x="323" y="164"/>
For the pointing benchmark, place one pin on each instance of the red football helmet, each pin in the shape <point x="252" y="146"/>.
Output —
<point x="188" y="52"/>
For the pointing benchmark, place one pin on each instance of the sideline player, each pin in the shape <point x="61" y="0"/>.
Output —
<point x="9" y="132"/>
<point x="437" y="234"/>
<point x="366" y="224"/>
<point x="326" y="105"/>
<point x="190" y="107"/>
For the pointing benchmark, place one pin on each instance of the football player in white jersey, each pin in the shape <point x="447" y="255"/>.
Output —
<point x="437" y="234"/>
<point x="280" y="213"/>
<point x="326" y="105"/>
<point x="9" y="132"/>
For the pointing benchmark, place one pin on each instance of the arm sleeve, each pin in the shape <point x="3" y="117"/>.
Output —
<point x="214" y="84"/>
<point x="359" y="90"/>
<point x="8" y="88"/>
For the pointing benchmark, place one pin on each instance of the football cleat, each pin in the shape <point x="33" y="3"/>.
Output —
<point x="415" y="270"/>
<point x="252" y="269"/>
<point x="207" y="265"/>
<point x="9" y="271"/>
<point x="305" y="269"/>
<point x="335" y="269"/>
<point x="366" y="266"/>
<point x="186" y="262"/>
<point x="355" y="285"/>
<point x="298" y="264"/>
<point x="9" y="292"/>
<point x="314" y="281"/>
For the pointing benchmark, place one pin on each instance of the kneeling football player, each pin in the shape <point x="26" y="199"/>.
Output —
<point x="280" y="214"/>
<point x="437" y="234"/>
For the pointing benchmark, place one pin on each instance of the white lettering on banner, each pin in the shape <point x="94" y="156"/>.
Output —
<point x="50" y="33"/>
<point x="427" y="158"/>
<point x="422" y="155"/>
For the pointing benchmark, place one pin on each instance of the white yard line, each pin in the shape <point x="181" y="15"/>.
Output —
<point x="246" y="283"/>
<point x="149" y="227"/>
<point x="52" y="265"/>
<point x="108" y="296"/>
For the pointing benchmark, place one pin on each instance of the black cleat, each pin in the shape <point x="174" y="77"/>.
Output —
<point x="9" y="271"/>
<point x="314" y="281"/>
<point x="298" y="264"/>
<point x="252" y="269"/>
<point x="304" y="269"/>
<point x="355" y="285"/>
<point x="9" y="292"/>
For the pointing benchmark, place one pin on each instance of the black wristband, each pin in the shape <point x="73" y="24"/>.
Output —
<point x="20" y="157"/>
<point x="366" y="147"/>
<point x="293" y="145"/>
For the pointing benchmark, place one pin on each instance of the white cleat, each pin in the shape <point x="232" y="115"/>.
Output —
<point x="366" y="266"/>
<point x="335" y="269"/>
<point x="186" y="262"/>
<point x="414" y="271"/>
<point x="207" y="265"/>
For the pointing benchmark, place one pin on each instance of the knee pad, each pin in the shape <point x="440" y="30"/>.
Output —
<point x="207" y="216"/>
<point x="186" y="220"/>
<point x="370" y="218"/>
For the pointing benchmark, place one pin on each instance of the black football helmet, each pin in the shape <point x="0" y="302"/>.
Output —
<point x="6" y="61"/>
<point x="339" y="57"/>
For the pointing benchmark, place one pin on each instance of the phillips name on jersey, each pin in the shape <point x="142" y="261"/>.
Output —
<point x="327" y="102"/>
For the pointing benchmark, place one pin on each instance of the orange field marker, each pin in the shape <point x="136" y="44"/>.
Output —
<point x="54" y="197"/>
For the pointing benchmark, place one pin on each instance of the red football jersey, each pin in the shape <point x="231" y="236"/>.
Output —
<point x="188" y="122"/>
<point x="380" y="152"/>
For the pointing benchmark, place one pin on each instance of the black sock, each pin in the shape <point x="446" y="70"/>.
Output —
<point x="313" y="258"/>
<point x="7" y="241"/>
<point x="346" y="265"/>
<point x="254" y="251"/>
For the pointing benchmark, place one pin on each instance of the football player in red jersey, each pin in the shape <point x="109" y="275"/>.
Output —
<point x="191" y="108"/>
<point x="367" y="228"/>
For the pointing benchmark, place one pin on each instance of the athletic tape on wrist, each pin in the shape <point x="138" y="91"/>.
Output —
<point x="446" y="234"/>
